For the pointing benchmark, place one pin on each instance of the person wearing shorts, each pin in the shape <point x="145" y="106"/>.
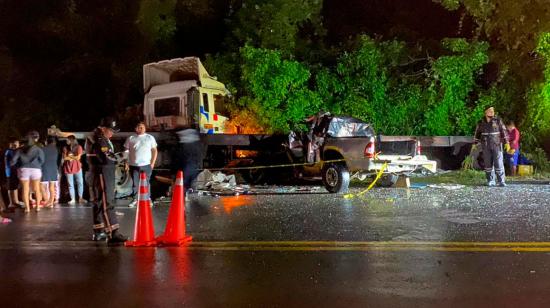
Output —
<point x="11" y="174"/>
<point x="49" y="172"/>
<point x="512" y="156"/>
<point x="29" y="159"/>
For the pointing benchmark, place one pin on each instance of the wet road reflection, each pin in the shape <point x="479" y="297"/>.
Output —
<point x="517" y="213"/>
<point x="431" y="247"/>
<point x="232" y="202"/>
<point x="149" y="277"/>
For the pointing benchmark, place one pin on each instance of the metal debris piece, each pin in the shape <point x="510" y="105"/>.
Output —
<point x="447" y="186"/>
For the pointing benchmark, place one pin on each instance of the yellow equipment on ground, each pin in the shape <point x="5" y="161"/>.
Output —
<point x="525" y="170"/>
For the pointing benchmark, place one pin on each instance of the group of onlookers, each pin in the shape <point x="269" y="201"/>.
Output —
<point x="32" y="171"/>
<point x="35" y="169"/>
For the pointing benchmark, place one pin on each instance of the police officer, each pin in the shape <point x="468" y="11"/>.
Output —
<point x="103" y="163"/>
<point x="492" y="134"/>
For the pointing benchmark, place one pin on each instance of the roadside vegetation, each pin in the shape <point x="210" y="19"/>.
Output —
<point x="284" y="60"/>
<point x="476" y="178"/>
<point x="286" y="72"/>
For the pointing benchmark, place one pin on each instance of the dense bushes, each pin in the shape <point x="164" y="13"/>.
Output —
<point x="370" y="82"/>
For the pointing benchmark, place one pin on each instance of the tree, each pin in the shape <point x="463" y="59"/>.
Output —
<point x="512" y="28"/>
<point x="357" y="85"/>
<point x="452" y="81"/>
<point x="277" y="89"/>
<point x="275" y="24"/>
<point x="156" y="20"/>
<point x="537" y="122"/>
<point x="293" y="28"/>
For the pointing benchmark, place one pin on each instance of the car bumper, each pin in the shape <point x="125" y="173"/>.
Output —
<point x="395" y="164"/>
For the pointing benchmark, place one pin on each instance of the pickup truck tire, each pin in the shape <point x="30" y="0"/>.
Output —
<point x="336" y="178"/>
<point x="387" y="180"/>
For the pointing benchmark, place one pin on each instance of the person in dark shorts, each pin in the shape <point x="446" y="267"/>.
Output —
<point x="50" y="171"/>
<point x="11" y="174"/>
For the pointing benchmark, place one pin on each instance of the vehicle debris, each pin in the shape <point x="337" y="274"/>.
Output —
<point x="447" y="186"/>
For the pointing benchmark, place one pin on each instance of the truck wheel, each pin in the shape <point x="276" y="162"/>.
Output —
<point x="336" y="178"/>
<point x="387" y="180"/>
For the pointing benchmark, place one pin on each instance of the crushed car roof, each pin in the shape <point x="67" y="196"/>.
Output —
<point x="345" y="126"/>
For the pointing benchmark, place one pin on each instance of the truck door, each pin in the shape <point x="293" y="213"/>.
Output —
<point x="193" y="107"/>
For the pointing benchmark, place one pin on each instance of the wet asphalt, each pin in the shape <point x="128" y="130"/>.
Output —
<point x="429" y="247"/>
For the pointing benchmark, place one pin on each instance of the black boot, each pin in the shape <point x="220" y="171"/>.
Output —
<point x="99" y="236"/>
<point x="117" y="238"/>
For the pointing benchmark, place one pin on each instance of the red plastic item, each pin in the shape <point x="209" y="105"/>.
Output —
<point x="369" y="149"/>
<point x="174" y="234"/>
<point x="144" y="232"/>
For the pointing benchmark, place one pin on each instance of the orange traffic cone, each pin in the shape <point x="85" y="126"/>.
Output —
<point x="144" y="233"/>
<point x="174" y="234"/>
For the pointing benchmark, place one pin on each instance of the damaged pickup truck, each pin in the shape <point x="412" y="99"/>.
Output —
<point x="336" y="149"/>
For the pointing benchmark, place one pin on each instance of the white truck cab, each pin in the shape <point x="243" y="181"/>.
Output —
<point x="179" y="93"/>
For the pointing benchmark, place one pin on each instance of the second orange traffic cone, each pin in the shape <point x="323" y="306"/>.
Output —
<point x="144" y="232"/>
<point x="174" y="234"/>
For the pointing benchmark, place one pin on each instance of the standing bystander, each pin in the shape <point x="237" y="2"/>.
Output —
<point x="512" y="156"/>
<point x="50" y="169"/>
<point x="72" y="168"/>
<point x="11" y="174"/>
<point x="29" y="160"/>
<point x="190" y="155"/>
<point x="142" y="154"/>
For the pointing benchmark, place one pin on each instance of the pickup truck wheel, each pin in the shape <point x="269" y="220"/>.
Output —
<point x="387" y="180"/>
<point x="336" y="178"/>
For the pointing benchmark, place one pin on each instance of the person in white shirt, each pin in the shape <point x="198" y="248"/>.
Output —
<point x="142" y="155"/>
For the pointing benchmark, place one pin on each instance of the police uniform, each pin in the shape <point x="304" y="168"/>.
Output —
<point x="103" y="164"/>
<point x="492" y="135"/>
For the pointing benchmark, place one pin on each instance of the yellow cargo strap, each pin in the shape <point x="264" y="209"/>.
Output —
<point x="378" y="176"/>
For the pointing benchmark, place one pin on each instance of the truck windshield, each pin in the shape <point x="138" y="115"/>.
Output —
<point x="221" y="103"/>
<point x="167" y="107"/>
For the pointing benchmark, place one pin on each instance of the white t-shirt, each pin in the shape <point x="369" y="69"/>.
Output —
<point x="139" y="149"/>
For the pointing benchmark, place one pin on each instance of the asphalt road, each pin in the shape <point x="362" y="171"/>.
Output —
<point x="431" y="247"/>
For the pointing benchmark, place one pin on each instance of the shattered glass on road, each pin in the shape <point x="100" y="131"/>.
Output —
<point x="515" y="213"/>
